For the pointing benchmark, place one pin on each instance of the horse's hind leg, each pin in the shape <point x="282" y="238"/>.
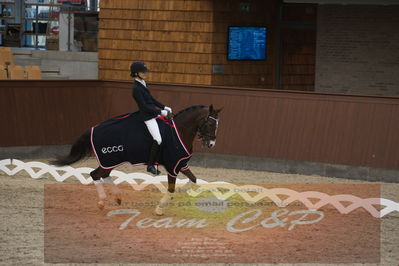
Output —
<point x="97" y="174"/>
<point x="168" y="195"/>
<point x="114" y="189"/>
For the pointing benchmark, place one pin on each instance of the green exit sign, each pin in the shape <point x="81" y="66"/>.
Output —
<point x="245" y="7"/>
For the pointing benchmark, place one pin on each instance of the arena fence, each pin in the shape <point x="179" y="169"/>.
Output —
<point x="301" y="126"/>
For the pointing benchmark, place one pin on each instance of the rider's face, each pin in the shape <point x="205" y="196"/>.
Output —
<point x="142" y="75"/>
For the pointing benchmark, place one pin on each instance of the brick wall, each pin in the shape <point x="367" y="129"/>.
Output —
<point x="358" y="49"/>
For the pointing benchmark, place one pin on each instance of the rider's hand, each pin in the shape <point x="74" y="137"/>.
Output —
<point x="168" y="109"/>
<point x="164" y="113"/>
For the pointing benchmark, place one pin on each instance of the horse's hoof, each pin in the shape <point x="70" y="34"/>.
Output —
<point x="159" y="211"/>
<point x="118" y="200"/>
<point x="100" y="205"/>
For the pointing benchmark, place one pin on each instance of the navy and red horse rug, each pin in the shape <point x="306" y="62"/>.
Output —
<point x="126" y="139"/>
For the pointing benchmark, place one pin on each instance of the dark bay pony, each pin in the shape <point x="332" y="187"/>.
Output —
<point x="195" y="121"/>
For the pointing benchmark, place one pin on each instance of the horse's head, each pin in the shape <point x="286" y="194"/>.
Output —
<point x="208" y="128"/>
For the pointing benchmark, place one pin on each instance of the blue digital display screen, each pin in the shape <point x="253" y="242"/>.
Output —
<point x="247" y="43"/>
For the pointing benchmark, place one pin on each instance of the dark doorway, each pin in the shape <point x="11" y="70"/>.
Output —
<point x="297" y="55"/>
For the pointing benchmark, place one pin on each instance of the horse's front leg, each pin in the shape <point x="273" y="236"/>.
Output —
<point x="168" y="196"/>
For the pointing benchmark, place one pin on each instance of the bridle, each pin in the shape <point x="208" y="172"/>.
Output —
<point x="201" y="134"/>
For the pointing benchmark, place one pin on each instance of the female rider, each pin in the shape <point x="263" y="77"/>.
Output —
<point x="147" y="110"/>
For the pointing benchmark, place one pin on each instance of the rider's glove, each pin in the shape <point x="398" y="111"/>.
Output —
<point x="164" y="113"/>
<point x="168" y="109"/>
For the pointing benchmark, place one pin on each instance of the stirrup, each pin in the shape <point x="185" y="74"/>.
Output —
<point x="153" y="170"/>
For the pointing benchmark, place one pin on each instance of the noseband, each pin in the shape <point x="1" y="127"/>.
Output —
<point x="201" y="134"/>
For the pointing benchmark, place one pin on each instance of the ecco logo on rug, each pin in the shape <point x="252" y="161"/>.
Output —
<point x="112" y="149"/>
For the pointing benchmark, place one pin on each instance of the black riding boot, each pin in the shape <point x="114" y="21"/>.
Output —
<point x="153" y="153"/>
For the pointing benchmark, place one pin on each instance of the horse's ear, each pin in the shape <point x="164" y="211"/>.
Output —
<point x="219" y="110"/>
<point x="211" y="108"/>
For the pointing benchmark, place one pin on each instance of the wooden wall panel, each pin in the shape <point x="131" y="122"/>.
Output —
<point x="178" y="37"/>
<point x="143" y="46"/>
<point x="138" y="35"/>
<point x="49" y="112"/>
<point x="170" y="57"/>
<point x="164" y="15"/>
<point x="182" y="5"/>
<point x="163" y="67"/>
<point x="173" y="37"/>
<point x="192" y="34"/>
<point x="157" y="25"/>
<point x="340" y="129"/>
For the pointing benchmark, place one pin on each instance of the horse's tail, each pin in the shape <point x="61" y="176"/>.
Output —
<point x="80" y="149"/>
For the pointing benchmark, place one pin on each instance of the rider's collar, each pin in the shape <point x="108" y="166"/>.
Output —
<point x="142" y="81"/>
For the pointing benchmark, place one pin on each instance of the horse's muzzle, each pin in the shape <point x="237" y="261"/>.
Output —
<point x="209" y="143"/>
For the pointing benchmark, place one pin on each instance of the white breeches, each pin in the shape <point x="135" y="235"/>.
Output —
<point x="152" y="126"/>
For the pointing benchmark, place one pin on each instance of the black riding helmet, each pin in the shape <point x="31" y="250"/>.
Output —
<point x="137" y="67"/>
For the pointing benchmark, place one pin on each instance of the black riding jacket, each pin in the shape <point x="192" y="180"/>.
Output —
<point x="145" y="102"/>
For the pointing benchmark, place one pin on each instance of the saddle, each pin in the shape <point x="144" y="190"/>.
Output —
<point x="125" y="139"/>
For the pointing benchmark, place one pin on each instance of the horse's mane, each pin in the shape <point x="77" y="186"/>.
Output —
<point x="189" y="108"/>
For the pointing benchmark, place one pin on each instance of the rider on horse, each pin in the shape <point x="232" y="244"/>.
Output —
<point x="147" y="110"/>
